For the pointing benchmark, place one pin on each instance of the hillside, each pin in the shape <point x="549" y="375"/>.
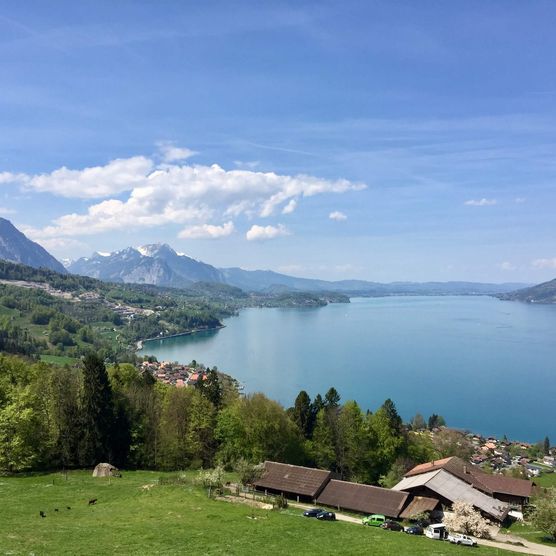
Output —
<point x="48" y="313"/>
<point x="541" y="293"/>
<point x="17" y="248"/>
<point x="159" y="513"/>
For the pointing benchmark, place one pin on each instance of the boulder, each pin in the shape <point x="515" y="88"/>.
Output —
<point x="106" y="470"/>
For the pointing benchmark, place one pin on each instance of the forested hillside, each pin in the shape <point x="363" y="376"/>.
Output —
<point x="55" y="416"/>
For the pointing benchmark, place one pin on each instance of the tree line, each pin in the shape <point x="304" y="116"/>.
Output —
<point x="76" y="416"/>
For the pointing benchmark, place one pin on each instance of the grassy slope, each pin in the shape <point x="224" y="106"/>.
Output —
<point x="174" y="520"/>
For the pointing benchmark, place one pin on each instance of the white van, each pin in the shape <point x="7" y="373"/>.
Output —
<point x="436" y="531"/>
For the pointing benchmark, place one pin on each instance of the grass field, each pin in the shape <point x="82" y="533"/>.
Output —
<point x="174" y="519"/>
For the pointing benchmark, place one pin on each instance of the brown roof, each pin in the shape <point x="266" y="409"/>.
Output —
<point x="293" y="479"/>
<point x="363" y="498"/>
<point x="490" y="484"/>
<point x="504" y="485"/>
<point x="418" y="505"/>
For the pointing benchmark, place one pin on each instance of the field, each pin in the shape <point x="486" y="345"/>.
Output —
<point x="131" y="517"/>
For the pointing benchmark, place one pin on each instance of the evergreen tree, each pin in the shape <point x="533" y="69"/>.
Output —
<point x="332" y="398"/>
<point x="97" y="412"/>
<point x="302" y="414"/>
<point x="546" y="446"/>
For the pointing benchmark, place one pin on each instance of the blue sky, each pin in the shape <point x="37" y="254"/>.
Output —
<point x="375" y="140"/>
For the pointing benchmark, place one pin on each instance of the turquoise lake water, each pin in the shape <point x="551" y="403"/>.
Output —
<point x="485" y="365"/>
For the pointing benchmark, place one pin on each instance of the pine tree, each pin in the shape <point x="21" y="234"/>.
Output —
<point x="97" y="412"/>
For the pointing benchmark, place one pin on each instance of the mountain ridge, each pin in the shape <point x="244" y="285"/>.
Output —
<point x="16" y="247"/>
<point x="159" y="264"/>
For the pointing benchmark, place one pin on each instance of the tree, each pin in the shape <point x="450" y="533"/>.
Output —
<point x="97" y="412"/>
<point x="332" y="398"/>
<point x="546" y="446"/>
<point x="418" y="423"/>
<point x="465" y="519"/>
<point x="212" y="389"/>
<point x="436" y="421"/>
<point x="449" y="442"/>
<point x="302" y="414"/>
<point x="544" y="516"/>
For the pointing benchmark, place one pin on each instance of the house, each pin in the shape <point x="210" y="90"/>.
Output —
<point x="447" y="489"/>
<point x="293" y="481"/>
<point x="509" y="490"/>
<point x="363" y="498"/>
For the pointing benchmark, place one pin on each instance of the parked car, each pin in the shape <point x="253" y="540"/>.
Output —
<point x="313" y="512"/>
<point x="391" y="525"/>
<point x="458" y="538"/>
<point x="414" y="530"/>
<point x="376" y="520"/>
<point x="436" y="531"/>
<point x="327" y="516"/>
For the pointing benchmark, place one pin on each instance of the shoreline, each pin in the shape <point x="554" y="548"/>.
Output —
<point x="140" y="343"/>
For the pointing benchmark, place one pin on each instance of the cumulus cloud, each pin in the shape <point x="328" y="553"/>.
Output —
<point x="122" y="174"/>
<point x="544" y="263"/>
<point x="261" y="233"/>
<point x="480" y="202"/>
<point x="290" y="207"/>
<point x="506" y="265"/>
<point x="171" y="153"/>
<point x="171" y="193"/>
<point x="337" y="216"/>
<point x="207" y="231"/>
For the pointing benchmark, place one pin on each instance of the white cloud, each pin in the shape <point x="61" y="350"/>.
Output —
<point x="520" y="200"/>
<point x="7" y="211"/>
<point x="545" y="263"/>
<point x="61" y="244"/>
<point x="207" y="231"/>
<point x="261" y="233"/>
<point x="173" y="193"/>
<point x="9" y="177"/>
<point x="122" y="174"/>
<point x="290" y="207"/>
<point x="171" y="153"/>
<point x="506" y="265"/>
<point x="480" y="202"/>
<point x="337" y="216"/>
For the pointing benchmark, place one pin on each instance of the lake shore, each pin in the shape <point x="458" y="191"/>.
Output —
<point x="141" y="343"/>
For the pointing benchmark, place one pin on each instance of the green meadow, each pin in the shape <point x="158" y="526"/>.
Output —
<point x="137" y="515"/>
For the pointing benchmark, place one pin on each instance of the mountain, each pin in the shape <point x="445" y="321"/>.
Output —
<point x="541" y="293"/>
<point x="156" y="264"/>
<point x="160" y="265"/>
<point x="18" y="248"/>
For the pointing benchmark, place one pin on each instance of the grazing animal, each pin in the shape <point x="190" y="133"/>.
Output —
<point x="92" y="501"/>
<point x="68" y="507"/>
<point x="55" y="509"/>
<point x="42" y="514"/>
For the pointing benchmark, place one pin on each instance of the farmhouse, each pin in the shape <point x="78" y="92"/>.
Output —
<point x="515" y="492"/>
<point x="294" y="481"/>
<point x="447" y="489"/>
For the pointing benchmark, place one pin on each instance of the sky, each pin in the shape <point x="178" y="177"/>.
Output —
<point x="374" y="140"/>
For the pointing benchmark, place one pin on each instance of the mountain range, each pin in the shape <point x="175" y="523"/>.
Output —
<point x="160" y="265"/>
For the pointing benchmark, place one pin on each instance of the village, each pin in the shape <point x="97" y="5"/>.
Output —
<point x="174" y="373"/>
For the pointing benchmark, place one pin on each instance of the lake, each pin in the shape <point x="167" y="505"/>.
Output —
<point x="485" y="365"/>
